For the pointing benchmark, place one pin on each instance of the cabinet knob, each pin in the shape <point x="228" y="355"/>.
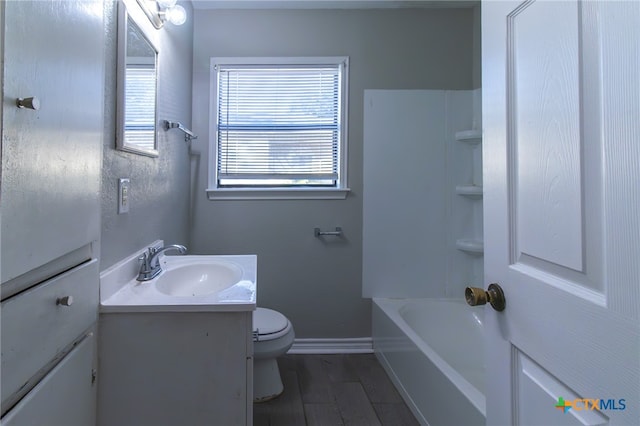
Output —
<point x="65" y="301"/>
<point x="31" y="103"/>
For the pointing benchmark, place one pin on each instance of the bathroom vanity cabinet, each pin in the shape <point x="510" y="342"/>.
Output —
<point x="191" y="368"/>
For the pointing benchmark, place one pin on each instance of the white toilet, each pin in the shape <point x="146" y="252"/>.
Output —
<point x="272" y="336"/>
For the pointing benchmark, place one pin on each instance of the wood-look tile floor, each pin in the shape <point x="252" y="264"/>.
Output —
<point x="334" y="390"/>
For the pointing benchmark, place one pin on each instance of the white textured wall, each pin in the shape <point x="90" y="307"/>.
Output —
<point x="319" y="285"/>
<point x="159" y="194"/>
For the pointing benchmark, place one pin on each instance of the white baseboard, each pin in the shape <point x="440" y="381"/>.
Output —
<point x="356" y="345"/>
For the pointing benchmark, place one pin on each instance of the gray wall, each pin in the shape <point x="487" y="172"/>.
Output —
<point x="477" y="46"/>
<point x="318" y="284"/>
<point x="159" y="194"/>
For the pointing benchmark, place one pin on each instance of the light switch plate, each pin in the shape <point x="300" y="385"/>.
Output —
<point x="123" y="195"/>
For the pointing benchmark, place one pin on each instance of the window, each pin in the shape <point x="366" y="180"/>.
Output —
<point x="278" y="128"/>
<point x="140" y="92"/>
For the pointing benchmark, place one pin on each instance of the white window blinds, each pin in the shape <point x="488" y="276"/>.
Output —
<point x="140" y="92"/>
<point x="278" y="125"/>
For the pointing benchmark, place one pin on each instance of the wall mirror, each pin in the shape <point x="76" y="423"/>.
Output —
<point x="137" y="82"/>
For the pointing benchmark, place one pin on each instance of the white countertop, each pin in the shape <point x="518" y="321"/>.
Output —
<point x="121" y="292"/>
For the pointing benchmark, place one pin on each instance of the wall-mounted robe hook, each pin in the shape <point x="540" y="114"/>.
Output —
<point x="337" y="233"/>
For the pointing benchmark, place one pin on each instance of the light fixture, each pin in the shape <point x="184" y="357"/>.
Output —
<point x="161" y="11"/>
<point x="176" y="15"/>
<point x="166" y="3"/>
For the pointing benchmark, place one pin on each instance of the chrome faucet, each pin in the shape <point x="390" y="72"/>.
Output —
<point x="150" y="264"/>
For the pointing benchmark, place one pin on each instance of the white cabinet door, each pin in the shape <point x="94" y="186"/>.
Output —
<point x="51" y="157"/>
<point x="36" y="328"/>
<point x="561" y="124"/>
<point x="65" y="397"/>
<point x="174" y="368"/>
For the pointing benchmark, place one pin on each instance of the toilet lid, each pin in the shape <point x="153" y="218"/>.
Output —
<point x="268" y="321"/>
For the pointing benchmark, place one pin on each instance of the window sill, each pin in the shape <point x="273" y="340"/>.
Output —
<point x="278" y="194"/>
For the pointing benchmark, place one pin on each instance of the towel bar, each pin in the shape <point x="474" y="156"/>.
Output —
<point x="188" y="134"/>
<point x="337" y="233"/>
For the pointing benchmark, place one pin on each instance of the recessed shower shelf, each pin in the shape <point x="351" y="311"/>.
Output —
<point x="470" y="246"/>
<point x="472" y="137"/>
<point x="471" y="191"/>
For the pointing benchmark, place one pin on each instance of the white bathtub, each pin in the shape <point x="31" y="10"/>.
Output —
<point x="433" y="351"/>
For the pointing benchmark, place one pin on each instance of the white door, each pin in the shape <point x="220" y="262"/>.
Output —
<point x="561" y="125"/>
<point x="51" y="155"/>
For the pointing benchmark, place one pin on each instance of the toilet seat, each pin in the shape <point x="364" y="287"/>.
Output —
<point x="269" y="325"/>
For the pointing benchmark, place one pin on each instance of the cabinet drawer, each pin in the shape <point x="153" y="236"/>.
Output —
<point x="65" y="397"/>
<point x="35" y="328"/>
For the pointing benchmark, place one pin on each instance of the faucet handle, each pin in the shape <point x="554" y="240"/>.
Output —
<point x="145" y="258"/>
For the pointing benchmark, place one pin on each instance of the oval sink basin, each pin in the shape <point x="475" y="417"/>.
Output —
<point x="198" y="279"/>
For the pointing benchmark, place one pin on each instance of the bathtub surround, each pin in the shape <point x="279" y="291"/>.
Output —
<point x="159" y="187"/>
<point x="414" y="269"/>
<point x="315" y="283"/>
<point x="415" y="253"/>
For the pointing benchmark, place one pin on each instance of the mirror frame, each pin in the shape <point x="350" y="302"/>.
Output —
<point x="150" y="8"/>
<point x="124" y="18"/>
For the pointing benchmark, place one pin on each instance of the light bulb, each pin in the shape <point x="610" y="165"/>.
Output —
<point x="176" y="15"/>
<point x="165" y="4"/>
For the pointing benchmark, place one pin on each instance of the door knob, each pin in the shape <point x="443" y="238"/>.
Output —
<point x="476" y="296"/>
<point x="31" y="103"/>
